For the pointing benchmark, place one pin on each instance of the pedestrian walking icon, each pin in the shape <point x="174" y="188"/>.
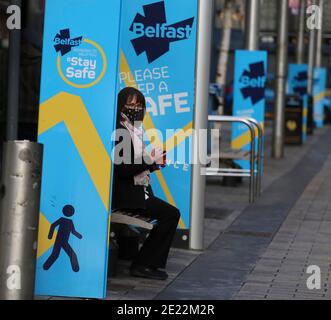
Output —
<point x="66" y="228"/>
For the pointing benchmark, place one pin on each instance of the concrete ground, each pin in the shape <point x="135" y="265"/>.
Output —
<point x="257" y="251"/>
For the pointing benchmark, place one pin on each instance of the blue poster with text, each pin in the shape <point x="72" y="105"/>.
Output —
<point x="319" y="96"/>
<point x="298" y="84"/>
<point x="158" y="56"/>
<point x="249" y="96"/>
<point x="76" y="119"/>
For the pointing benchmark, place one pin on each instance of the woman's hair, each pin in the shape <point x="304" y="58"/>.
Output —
<point x="126" y="95"/>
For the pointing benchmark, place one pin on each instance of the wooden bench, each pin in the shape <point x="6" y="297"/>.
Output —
<point x="125" y="225"/>
<point x="125" y="231"/>
<point x="130" y="219"/>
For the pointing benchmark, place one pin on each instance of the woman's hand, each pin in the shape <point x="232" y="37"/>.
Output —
<point x="157" y="156"/>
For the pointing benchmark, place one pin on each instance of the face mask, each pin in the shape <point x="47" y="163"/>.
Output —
<point x="134" y="115"/>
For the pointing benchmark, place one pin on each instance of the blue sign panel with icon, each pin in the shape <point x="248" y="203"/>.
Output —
<point x="76" y="120"/>
<point x="158" y="57"/>
<point x="249" y="96"/>
<point x="298" y="84"/>
<point x="319" y="96"/>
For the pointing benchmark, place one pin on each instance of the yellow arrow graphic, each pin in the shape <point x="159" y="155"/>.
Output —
<point x="71" y="110"/>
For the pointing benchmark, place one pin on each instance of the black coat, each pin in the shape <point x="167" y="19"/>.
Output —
<point x="125" y="194"/>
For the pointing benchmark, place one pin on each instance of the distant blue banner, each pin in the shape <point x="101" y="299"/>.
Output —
<point x="158" y="57"/>
<point x="76" y="120"/>
<point x="319" y="96"/>
<point x="249" y="95"/>
<point x="298" y="84"/>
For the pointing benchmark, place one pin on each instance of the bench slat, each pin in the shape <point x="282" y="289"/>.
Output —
<point x="125" y="218"/>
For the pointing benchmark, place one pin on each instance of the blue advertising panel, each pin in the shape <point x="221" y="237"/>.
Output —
<point x="249" y="96"/>
<point x="298" y="84"/>
<point x="158" y="56"/>
<point x="76" y="120"/>
<point x="319" y="96"/>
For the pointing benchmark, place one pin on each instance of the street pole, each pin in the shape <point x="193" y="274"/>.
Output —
<point x="319" y="48"/>
<point x="311" y="57"/>
<point x="13" y="80"/>
<point x="198" y="182"/>
<point x="225" y="48"/>
<point x="301" y="33"/>
<point x="19" y="215"/>
<point x="252" y="26"/>
<point x="281" y="76"/>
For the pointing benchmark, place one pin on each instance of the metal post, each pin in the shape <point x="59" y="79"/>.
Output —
<point x="225" y="45"/>
<point x="281" y="76"/>
<point x="13" y="80"/>
<point x="311" y="57"/>
<point x="252" y="27"/>
<point x="19" y="215"/>
<point x="206" y="8"/>
<point x="319" y="48"/>
<point x="301" y="33"/>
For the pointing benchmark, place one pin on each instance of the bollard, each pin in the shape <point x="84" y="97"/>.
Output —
<point x="19" y="216"/>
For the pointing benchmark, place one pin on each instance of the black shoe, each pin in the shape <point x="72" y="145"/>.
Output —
<point x="161" y="272"/>
<point x="148" y="272"/>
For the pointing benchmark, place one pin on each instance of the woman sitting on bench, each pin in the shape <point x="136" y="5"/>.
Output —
<point x="132" y="190"/>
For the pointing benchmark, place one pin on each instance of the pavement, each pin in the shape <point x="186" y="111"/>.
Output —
<point x="254" y="251"/>
<point x="302" y="241"/>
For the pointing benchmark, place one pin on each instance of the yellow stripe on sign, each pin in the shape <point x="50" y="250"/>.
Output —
<point x="176" y="139"/>
<point x="69" y="108"/>
<point x="244" y="139"/>
<point x="151" y="132"/>
<point x="179" y="137"/>
<point x="44" y="244"/>
<point x="319" y="97"/>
